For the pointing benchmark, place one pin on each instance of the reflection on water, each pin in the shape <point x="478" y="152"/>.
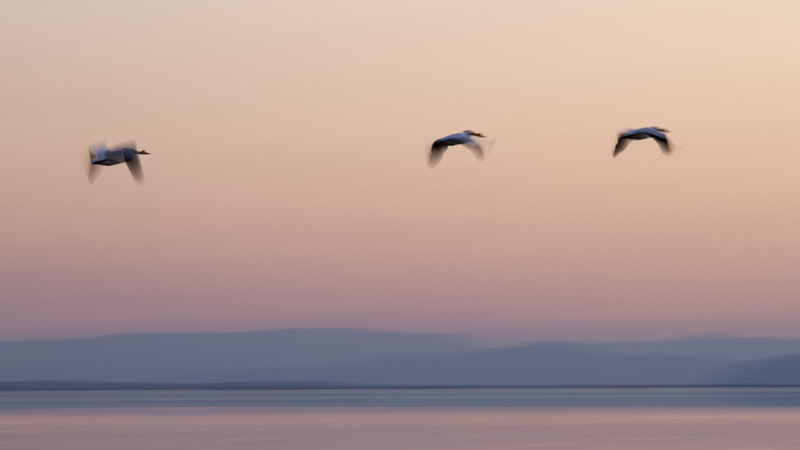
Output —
<point x="389" y="427"/>
<point x="448" y="398"/>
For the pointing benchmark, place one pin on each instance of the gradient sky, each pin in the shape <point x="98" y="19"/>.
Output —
<point x="288" y="186"/>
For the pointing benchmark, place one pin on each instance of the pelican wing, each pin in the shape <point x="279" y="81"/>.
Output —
<point x="94" y="171"/>
<point x="476" y="148"/>
<point x="135" y="166"/>
<point x="621" y="144"/>
<point x="663" y="143"/>
<point x="124" y="145"/>
<point x="437" y="151"/>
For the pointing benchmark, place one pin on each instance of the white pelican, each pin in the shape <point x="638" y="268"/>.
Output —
<point x="100" y="155"/>
<point x="655" y="133"/>
<point x="465" y="138"/>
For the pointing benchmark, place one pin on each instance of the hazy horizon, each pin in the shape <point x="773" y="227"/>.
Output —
<point x="287" y="185"/>
<point x="507" y="338"/>
<point x="550" y="332"/>
<point x="325" y="357"/>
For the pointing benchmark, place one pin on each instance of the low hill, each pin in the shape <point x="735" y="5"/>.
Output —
<point x="778" y="371"/>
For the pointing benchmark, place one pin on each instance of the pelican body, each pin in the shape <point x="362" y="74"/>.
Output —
<point x="464" y="138"/>
<point x="99" y="155"/>
<point x="638" y="134"/>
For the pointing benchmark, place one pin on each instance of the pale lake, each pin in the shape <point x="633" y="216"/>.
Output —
<point x="463" y="419"/>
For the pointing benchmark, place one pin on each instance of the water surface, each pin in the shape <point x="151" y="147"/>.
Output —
<point x="400" y="419"/>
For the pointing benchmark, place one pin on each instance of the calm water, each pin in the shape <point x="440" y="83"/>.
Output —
<point x="403" y="419"/>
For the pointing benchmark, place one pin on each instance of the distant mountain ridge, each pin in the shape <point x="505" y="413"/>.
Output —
<point x="171" y="356"/>
<point x="359" y="357"/>
<point x="541" y="364"/>
<point x="776" y="371"/>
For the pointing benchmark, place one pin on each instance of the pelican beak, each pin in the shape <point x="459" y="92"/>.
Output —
<point x="664" y="130"/>
<point x="478" y="134"/>
<point x="142" y="152"/>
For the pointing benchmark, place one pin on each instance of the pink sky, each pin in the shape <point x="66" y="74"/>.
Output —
<point x="287" y="185"/>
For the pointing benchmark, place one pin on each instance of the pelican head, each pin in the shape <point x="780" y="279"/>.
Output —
<point x="663" y="130"/>
<point x="472" y="133"/>
<point x="97" y="156"/>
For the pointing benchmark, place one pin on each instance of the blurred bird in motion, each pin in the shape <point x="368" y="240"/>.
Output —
<point x="464" y="138"/>
<point x="655" y="133"/>
<point x="100" y="155"/>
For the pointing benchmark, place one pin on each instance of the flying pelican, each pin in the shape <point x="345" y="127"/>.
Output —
<point x="465" y="138"/>
<point x="100" y="155"/>
<point x="643" y="133"/>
